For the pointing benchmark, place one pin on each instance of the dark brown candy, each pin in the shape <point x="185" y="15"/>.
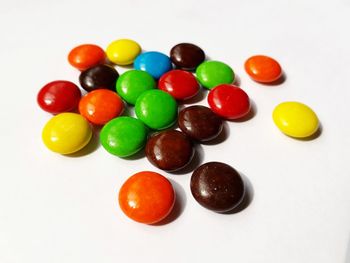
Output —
<point x="217" y="186"/>
<point x="99" y="77"/>
<point x="169" y="150"/>
<point x="187" y="56"/>
<point x="200" y="123"/>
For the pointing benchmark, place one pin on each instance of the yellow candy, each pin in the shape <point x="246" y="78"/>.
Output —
<point x="66" y="133"/>
<point x="295" y="119"/>
<point x="123" y="51"/>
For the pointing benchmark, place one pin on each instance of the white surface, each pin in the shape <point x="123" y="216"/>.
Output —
<point x="60" y="209"/>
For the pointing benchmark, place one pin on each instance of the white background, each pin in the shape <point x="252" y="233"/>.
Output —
<point x="64" y="209"/>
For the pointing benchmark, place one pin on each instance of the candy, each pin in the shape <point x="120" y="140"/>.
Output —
<point x="217" y="186"/>
<point x="155" y="63"/>
<point x="213" y="73"/>
<point x="59" y="96"/>
<point x="100" y="106"/>
<point x="123" y="51"/>
<point x="229" y="101"/>
<point x="147" y="197"/>
<point x="187" y="56"/>
<point x="66" y="133"/>
<point x="157" y="109"/>
<point x="180" y="84"/>
<point x="169" y="150"/>
<point x="263" y="69"/>
<point x="295" y="119"/>
<point x="99" y="77"/>
<point x="123" y="136"/>
<point x="132" y="83"/>
<point x="200" y="123"/>
<point x="86" y="56"/>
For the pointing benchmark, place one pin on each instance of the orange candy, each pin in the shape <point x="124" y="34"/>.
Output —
<point x="147" y="197"/>
<point x="263" y="69"/>
<point x="100" y="106"/>
<point x="86" y="56"/>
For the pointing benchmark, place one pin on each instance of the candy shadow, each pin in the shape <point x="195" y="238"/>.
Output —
<point x="196" y="161"/>
<point x="251" y="114"/>
<point x="137" y="156"/>
<point x="224" y="134"/>
<point x="237" y="82"/>
<point x="179" y="206"/>
<point x="277" y="82"/>
<point x="247" y="198"/>
<point x="314" y="136"/>
<point x="201" y="95"/>
<point x="92" y="146"/>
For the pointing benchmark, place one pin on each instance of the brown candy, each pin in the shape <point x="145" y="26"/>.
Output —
<point x="217" y="186"/>
<point x="200" y="123"/>
<point x="169" y="150"/>
<point x="187" y="56"/>
<point x="99" y="77"/>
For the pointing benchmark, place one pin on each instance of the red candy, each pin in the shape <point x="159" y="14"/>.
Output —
<point x="59" y="96"/>
<point x="180" y="84"/>
<point x="86" y="56"/>
<point x="229" y="101"/>
<point x="100" y="106"/>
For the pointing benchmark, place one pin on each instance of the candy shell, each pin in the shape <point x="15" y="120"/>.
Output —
<point x="123" y="51"/>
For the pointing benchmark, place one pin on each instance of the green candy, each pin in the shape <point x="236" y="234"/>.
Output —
<point x="157" y="109"/>
<point x="132" y="83"/>
<point x="123" y="136"/>
<point x="213" y="73"/>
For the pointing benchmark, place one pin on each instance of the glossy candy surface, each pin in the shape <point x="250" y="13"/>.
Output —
<point x="180" y="84"/>
<point x="157" y="109"/>
<point x="86" y="56"/>
<point x="217" y="186"/>
<point x="123" y="51"/>
<point x="212" y="73"/>
<point x="66" y="133"/>
<point x="169" y="150"/>
<point x="263" y="69"/>
<point x="59" y="96"/>
<point x="200" y="123"/>
<point x="229" y="101"/>
<point x="100" y="106"/>
<point x="123" y="136"/>
<point x="187" y="56"/>
<point x="132" y="83"/>
<point x="295" y="119"/>
<point x="99" y="77"/>
<point x="147" y="197"/>
<point x="155" y="63"/>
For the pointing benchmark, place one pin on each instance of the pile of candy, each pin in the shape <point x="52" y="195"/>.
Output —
<point x="153" y="87"/>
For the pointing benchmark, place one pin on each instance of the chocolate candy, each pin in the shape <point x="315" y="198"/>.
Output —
<point x="123" y="51"/>
<point x="263" y="69"/>
<point x="187" y="56"/>
<point x="169" y="150"/>
<point x="155" y="63"/>
<point x="86" y="56"/>
<point x="200" y="123"/>
<point x="217" y="186"/>
<point x="213" y="73"/>
<point x="99" y="77"/>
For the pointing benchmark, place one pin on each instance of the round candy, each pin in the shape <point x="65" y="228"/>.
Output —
<point x="157" y="109"/>
<point x="213" y="73"/>
<point x="123" y="51"/>
<point x="66" y="133"/>
<point x="123" y="136"/>
<point x="59" y="96"/>
<point x="132" y="83"/>
<point x="229" y="101"/>
<point x="217" y="186"/>
<point x="100" y="106"/>
<point x="263" y="69"/>
<point x="99" y="77"/>
<point x="187" y="56"/>
<point x="200" y="123"/>
<point x="295" y="119"/>
<point x="86" y="56"/>
<point x="155" y="63"/>
<point x="180" y="84"/>
<point x="147" y="197"/>
<point x="169" y="150"/>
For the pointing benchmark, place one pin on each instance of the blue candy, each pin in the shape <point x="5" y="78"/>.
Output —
<point x="154" y="63"/>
